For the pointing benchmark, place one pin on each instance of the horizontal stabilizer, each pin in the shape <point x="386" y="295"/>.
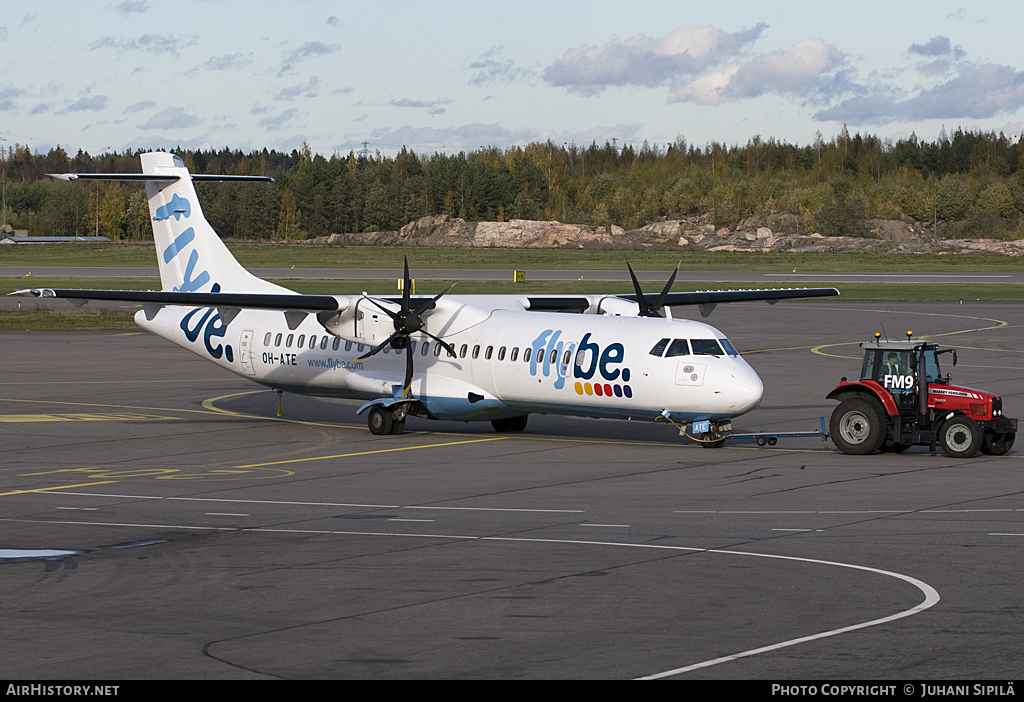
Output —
<point x="258" y="301"/>
<point x="148" y="178"/>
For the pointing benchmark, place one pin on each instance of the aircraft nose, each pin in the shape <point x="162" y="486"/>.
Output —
<point x="746" y="390"/>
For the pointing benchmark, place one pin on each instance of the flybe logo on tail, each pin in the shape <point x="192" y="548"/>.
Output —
<point x="178" y="207"/>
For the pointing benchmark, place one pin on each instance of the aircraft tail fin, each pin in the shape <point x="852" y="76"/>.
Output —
<point x="191" y="256"/>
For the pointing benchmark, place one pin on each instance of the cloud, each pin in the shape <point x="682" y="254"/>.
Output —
<point x="802" y="69"/>
<point x="128" y="8"/>
<point x="309" y="50"/>
<point x="4" y="33"/>
<point x="139" y="106"/>
<point x="333" y="21"/>
<point x="308" y="90"/>
<point x="936" y="46"/>
<point x="91" y="104"/>
<point x="223" y="63"/>
<point x="648" y="61"/>
<point x="6" y="105"/>
<point x="273" y="124"/>
<point x="147" y="43"/>
<point x="977" y="92"/>
<point x="40" y="109"/>
<point x="171" y="118"/>
<point x="433" y="107"/>
<point x="8" y="92"/>
<point x="489" y="69"/>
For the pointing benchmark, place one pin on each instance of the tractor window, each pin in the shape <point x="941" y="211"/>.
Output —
<point x="867" y="368"/>
<point x="932" y="372"/>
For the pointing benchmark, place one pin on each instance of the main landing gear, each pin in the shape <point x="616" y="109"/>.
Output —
<point x="384" y="420"/>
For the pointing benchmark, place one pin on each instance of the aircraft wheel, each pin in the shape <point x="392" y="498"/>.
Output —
<point x="380" y="420"/>
<point x="504" y="426"/>
<point x="713" y="444"/>
<point x="857" y="427"/>
<point x="960" y="437"/>
<point x="997" y="444"/>
<point x="397" y="427"/>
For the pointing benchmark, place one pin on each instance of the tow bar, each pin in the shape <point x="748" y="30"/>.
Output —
<point x="771" y="438"/>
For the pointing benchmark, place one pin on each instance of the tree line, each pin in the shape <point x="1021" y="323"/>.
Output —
<point x="972" y="183"/>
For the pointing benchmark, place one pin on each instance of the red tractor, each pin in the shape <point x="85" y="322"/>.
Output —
<point x="902" y="400"/>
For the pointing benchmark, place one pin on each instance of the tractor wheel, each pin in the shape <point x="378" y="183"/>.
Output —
<point x="380" y="420"/>
<point x="892" y="447"/>
<point x="857" y="426"/>
<point x="960" y="437"/>
<point x="997" y="444"/>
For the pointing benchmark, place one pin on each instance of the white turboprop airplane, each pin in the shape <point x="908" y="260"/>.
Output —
<point x="473" y="357"/>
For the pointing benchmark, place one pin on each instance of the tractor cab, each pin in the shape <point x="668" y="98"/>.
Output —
<point x="902" y="399"/>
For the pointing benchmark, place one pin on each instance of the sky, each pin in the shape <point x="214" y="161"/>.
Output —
<point x="454" y="76"/>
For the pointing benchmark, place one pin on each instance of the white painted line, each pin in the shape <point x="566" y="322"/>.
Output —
<point x="969" y="276"/>
<point x="616" y="526"/>
<point x="225" y="514"/>
<point x="397" y="519"/>
<point x="315" y="504"/>
<point x="796" y="529"/>
<point x="931" y="595"/>
<point x="1004" y="534"/>
<point x="859" y="511"/>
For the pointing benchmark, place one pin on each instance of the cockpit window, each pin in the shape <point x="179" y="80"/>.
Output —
<point x="658" y="350"/>
<point x="706" y="347"/>
<point x="729" y="348"/>
<point x="679" y="347"/>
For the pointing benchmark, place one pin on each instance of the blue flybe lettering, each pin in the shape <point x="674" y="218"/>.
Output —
<point x="188" y="283"/>
<point x="178" y="207"/>
<point x="549" y="351"/>
<point x="211" y="326"/>
<point x="182" y="240"/>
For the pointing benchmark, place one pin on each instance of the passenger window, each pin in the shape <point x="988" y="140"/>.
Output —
<point x="302" y="340"/>
<point x="515" y="354"/>
<point x="312" y="341"/>
<point x="487" y="353"/>
<point x="565" y="358"/>
<point x="679" y="347"/>
<point x="348" y="345"/>
<point x="581" y="357"/>
<point x="462" y="351"/>
<point x="553" y="357"/>
<point x="437" y="350"/>
<point x="277" y="340"/>
<point x="266" y="339"/>
<point x="359" y="348"/>
<point x="476" y="351"/>
<point x="425" y="348"/>
<point x="706" y="347"/>
<point x="527" y="352"/>
<point x="501" y="354"/>
<point x="412" y="346"/>
<point x="658" y="350"/>
<point x="288" y="341"/>
<point x="387" y="349"/>
<point x="323" y="343"/>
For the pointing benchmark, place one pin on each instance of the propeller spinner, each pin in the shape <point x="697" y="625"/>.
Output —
<point x="407" y="321"/>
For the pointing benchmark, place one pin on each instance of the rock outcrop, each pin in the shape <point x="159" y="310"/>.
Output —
<point x="774" y="233"/>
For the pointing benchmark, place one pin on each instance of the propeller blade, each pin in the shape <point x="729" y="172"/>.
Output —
<point x="393" y="315"/>
<point x="664" y="293"/>
<point x="448" y="347"/>
<point x="407" y="388"/>
<point x="378" y="349"/>
<point x="437" y="297"/>
<point x="406" y="287"/>
<point x="645" y="311"/>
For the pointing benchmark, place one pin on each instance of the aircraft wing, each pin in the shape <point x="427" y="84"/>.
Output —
<point x="715" y="296"/>
<point x="261" y="301"/>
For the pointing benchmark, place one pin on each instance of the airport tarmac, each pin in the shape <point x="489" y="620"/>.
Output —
<point x="212" y="539"/>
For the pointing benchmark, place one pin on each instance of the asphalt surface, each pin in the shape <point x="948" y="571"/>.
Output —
<point x="213" y="539"/>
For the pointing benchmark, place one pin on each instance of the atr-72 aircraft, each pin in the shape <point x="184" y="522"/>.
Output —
<point x="472" y="357"/>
